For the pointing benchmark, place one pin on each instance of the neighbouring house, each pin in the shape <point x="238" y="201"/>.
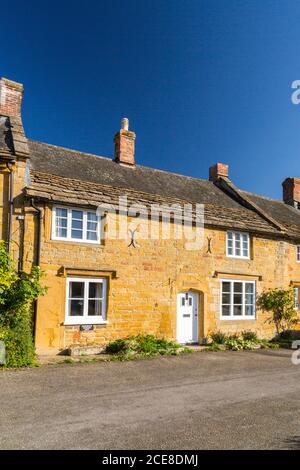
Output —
<point x="104" y="287"/>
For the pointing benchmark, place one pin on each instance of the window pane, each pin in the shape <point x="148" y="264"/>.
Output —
<point x="61" y="212"/>
<point x="77" y="224"/>
<point x="76" y="234"/>
<point x="226" y="310"/>
<point x="95" y="290"/>
<point x="229" y="236"/>
<point x="238" y="287"/>
<point x="61" y="222"/>
<point x="245" y="252"/>
<point x="76" y="308"/>
<point x="237" y="299"/>
<point x="249" y="288"/>
<point x="237" y="252"/>
<point x="77" y="215"/>
<point x="92" y="226"/>
<point x="226" y="286"/>
<point x="237" y="310"/>
<point x="226" y="299"/>
<point x="95" y="307"/>
<point x="61" y="232"/>
<point x="76" y="290"/>
<point x="91" y="217"/>
<point x="91" y="235"/>
<point x="249" y="310"/>
<point x="249" y="298"/>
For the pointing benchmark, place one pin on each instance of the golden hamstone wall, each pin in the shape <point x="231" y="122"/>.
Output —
<point x="142" y="295"/>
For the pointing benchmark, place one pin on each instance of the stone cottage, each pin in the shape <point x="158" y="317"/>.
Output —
<point x="58" y="207"/>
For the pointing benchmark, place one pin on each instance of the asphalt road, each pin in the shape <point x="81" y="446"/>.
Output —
<point x="224" y="400"/>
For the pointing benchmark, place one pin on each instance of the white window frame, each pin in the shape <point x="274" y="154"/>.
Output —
<point x="232" y="317"/>
<point x="234" y="255"/>
<point x="85" y="319"/>
<point x="69" y="238"/>
<point x="298" y="253"/>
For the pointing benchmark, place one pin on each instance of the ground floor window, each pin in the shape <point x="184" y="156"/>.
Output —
<point x="86" y="301"/>
<point x="237" y="299"/>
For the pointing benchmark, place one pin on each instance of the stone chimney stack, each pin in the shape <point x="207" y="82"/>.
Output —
<point x="291" y="192"/>
<point x="10" y="98"/>
<point x="124" y="144"/>
<point x="219" y="170"/>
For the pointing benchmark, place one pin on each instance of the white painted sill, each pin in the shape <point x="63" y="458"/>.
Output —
<point x="77" y="322"/>
<point x="238" y="257"/>
<point x="232" y="318"/>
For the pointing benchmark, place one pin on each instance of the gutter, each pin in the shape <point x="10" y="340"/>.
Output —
<point x="38" y="257"/>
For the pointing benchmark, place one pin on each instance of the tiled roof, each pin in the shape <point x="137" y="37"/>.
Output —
<point x="71" y="177"/>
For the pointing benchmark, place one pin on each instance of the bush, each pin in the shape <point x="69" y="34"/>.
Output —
<point x="249" y="336"/>
<point x="281" y="303"/>
<point x="17" y="293"/>
<point x="143" y="346"/>
<point x="117" y="346"/>
<point x="218" y="337"/>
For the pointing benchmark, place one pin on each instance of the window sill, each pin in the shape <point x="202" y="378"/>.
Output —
<point x="229" y="318"/>
<point x="74" y="240"/>
<point x="76" y="322"/>
<point x="238" y="257"/>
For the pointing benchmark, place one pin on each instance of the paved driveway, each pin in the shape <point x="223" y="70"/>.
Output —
<point x="205" y="400"/>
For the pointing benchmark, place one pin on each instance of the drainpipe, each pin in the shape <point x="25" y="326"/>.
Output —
<point x="38" y="255"/>
<point x="11" y="205"/>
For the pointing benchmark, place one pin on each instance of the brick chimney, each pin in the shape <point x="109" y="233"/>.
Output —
<point x="219" y="170"/>
<point x="124" y="144"/>
<point x="291" y="192"/>
<point x="10" y="98"/>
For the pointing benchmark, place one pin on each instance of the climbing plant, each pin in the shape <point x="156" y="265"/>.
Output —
<point x="18" y="291"/>
<point x="280" y="302"/>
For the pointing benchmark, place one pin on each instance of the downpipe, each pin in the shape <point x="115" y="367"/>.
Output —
<point x="38" y="256"/>
<point x="11" y="206"/>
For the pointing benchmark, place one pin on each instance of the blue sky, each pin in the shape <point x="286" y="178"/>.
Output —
<point x="200" y="81"/>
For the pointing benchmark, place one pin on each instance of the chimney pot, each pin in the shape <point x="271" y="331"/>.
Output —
<point x="10" y="98"/>
<point x="219" y="170"/>
<point x="125" y="124"/>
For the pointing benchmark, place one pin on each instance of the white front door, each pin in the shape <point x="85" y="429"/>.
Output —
<point x="187" y="317"/>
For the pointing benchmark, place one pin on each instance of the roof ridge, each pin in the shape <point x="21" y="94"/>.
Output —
<point x="109" y="159"/>
<point x="262" y="196"/>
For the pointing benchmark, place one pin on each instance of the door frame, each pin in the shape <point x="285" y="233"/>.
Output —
<point x="178" y="317"/>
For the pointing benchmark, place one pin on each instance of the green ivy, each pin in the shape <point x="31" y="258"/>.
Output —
<point x="18" y="291"/>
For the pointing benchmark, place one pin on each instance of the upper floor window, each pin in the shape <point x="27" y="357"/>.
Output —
<point x="237" y="245"/>
<point x="237" y="299"/>
<point x="75" y="225"/>
<point x="298" y="253"/>
<point x="86" y="301"/>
